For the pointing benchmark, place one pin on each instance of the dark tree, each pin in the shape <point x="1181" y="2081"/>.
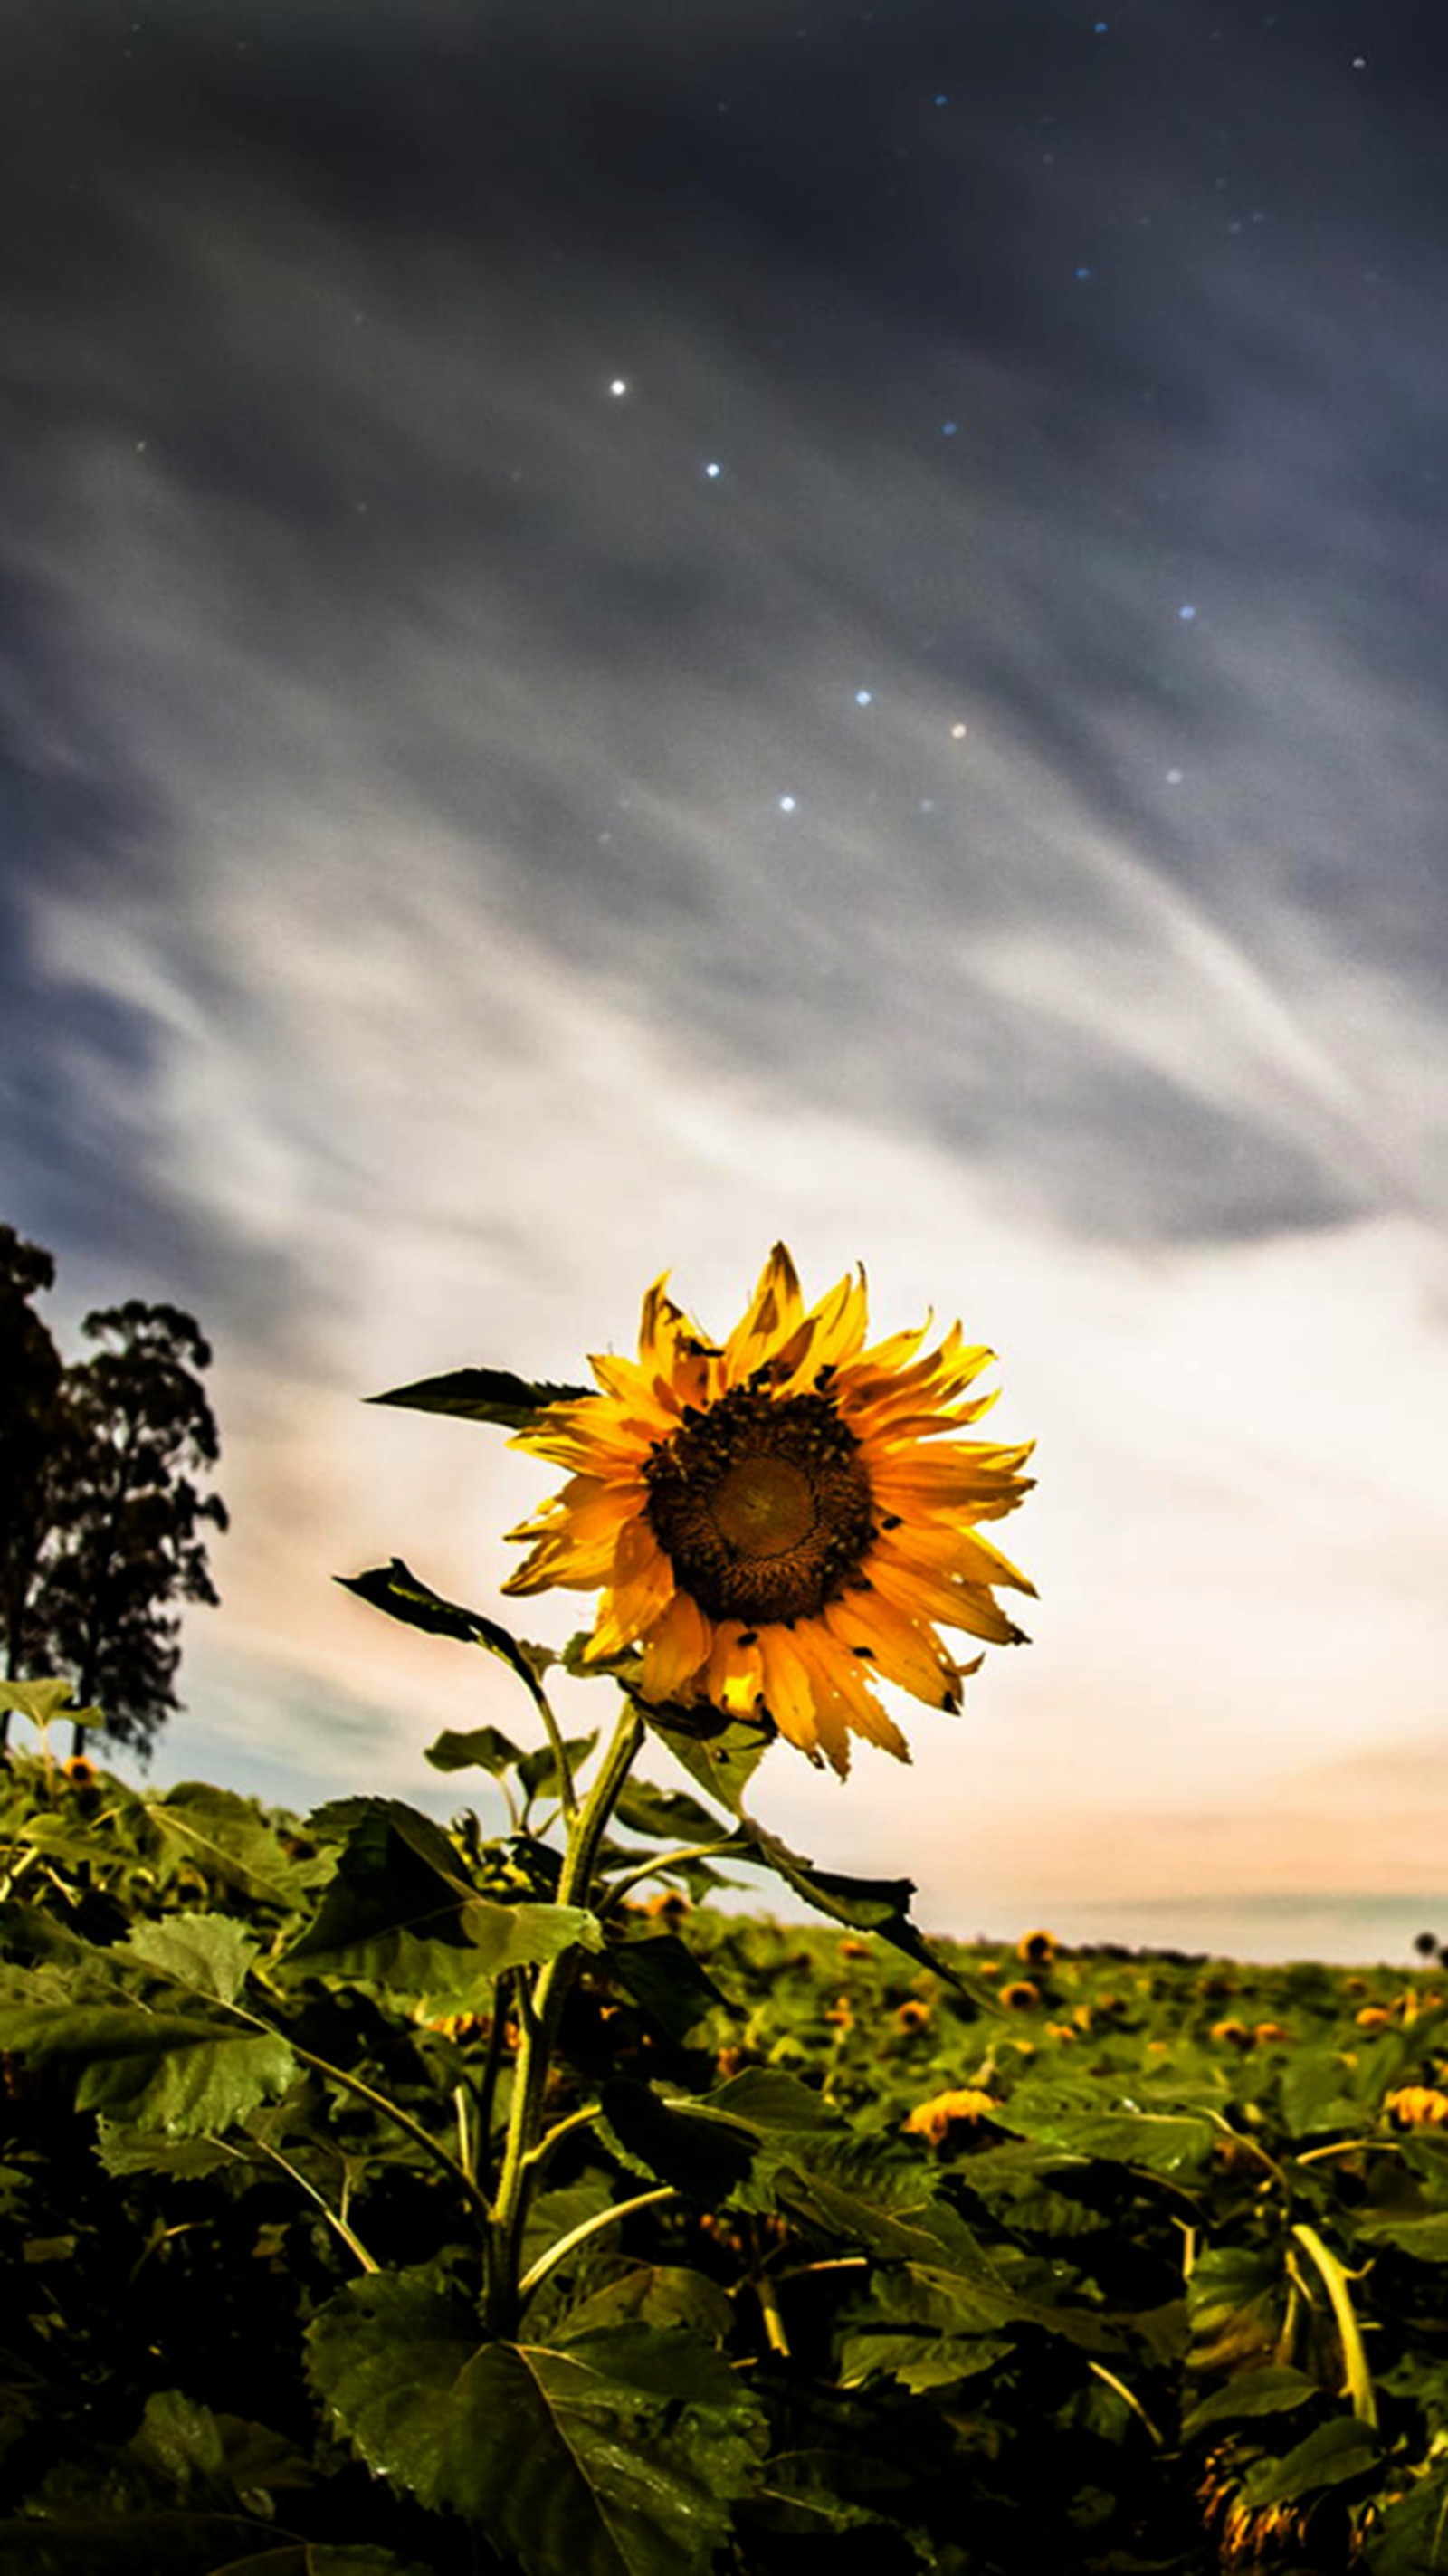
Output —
<point x="124" y="1543"/>
<point x="30" y="1436"/>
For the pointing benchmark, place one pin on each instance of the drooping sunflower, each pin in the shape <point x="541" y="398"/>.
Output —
<point x="778" y="1522"/>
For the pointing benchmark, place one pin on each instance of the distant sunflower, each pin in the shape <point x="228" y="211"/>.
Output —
<point x="777" y="1523"/>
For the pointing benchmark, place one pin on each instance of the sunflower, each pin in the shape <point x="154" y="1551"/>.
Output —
<point x="776" y="1524"/>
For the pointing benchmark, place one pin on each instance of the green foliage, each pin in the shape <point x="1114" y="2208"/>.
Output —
<point x="402" y="1913"/>
<point x="403" y="1595"/>
<point x="482" y="1395"/>
<point x="615" y="2456"/>
<point x="259" y="2077"/>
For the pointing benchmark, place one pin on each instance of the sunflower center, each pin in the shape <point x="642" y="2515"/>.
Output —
<point x="761" y="1505"/>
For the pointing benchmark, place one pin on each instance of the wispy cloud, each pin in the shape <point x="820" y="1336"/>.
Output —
<point x="468" y="856"/>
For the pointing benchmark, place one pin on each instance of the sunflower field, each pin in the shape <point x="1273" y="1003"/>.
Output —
<point x="983" y="2260"/>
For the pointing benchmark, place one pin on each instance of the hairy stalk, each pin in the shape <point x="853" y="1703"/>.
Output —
<point x="775" y="2332"/>
<point x="537" y="2156"/>
<point x="1355" y="2360"/>
<point x="493" y="2065"/>
<point x="587" y="2227"/>
<point x="333" y="2217"/>
<point x="540" y="2027"/>
<point x="732" y="1847"/>
<point x="567" y="1794"/>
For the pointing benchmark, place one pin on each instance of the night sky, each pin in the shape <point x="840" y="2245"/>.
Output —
<point x="632" y="627"/>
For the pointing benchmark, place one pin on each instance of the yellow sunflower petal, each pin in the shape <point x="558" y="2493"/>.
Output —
<point x="579" y="1566"/>
<point x="901" y="1648"/>
<point x="643" y="1397"/>
<point x="676" y="1651"/>
<point x="839" y="1679"/>
<point x="830" y="1334"/>
<point x="768" y="1320"/>
<point x="735" y="1679"/>
<point x="924" y="1596"/>
<point x="940" y="1548"/>
<point x="799" y="1716"/>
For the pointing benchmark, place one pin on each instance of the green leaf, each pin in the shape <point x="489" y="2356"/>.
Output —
<point x="661" y="1973"/>
<point x="178" y="2159"/>
<point x="49" y="2034"/>
<point x="816" y="2493"/>
<point x="1330" y="2456"/>
<point x="483" y="1395"/>
<point x="226" y="1838"/>
<point x="176" y="2071"/>
<point x="555" y="2214"/>
<point x="495" y="1937"/>
<point x="1315" y="2096"/>
<point x="658" y="2295"/>
<point x="1024" y="2185"/>
<point x="403" y="1595"/>
<point x="1412" y="2537"/>
<point x="769" y="2098"/>
<point x="483" y="1748"/>
<point x="206" y="2083"/>
<point x="1164" y="2142"/>
<point x="878" y="1905"/>
<point x="30" y="1933"/>
<point x="918" y="2361"/>
<point x="1272" y="2391"/>
<point x="205" y="2458"/>
<point x="720" y="1753"/>
<point x="1236" y="2296"/>
<point x="666" y="1815"/>
<point x="45" y="1701"/>
<point x="702" y="2157"/>
<point x="616" y="2456"/>
<point x="209" y="1953"/>
<point x="402" y="1913"/>
<point x="369" y="1827"/>
<point x="538" y="1773"/>
<point x="59" y="1840"/>
<point x="1422" y="2233"/>
<point x="942" y="2253"/>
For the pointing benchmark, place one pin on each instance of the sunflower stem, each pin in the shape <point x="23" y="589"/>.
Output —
<point x="576" y="2236"/>
<point x="733" y="1847"/>
<point x="1355" y="2361"/>
<point x="539" y="2028"/>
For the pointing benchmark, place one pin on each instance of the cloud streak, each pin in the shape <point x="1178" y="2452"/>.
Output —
<point x="398" y="732"/>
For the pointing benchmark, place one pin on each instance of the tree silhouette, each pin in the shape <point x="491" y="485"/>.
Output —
<point x="127" y="1515"/>
<point x="30" y="1436"/>
<point x="102" y="1522"/>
